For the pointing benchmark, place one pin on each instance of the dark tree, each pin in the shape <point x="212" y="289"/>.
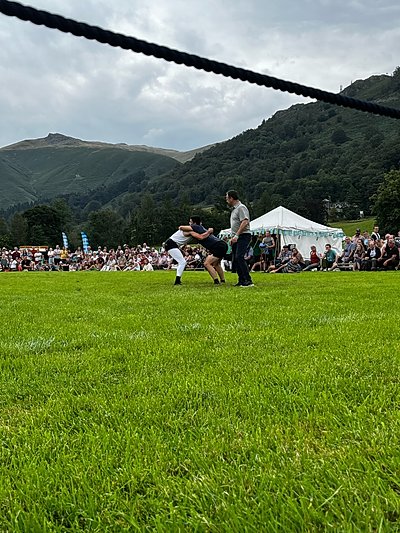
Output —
<point x="19" y="230"/>
<point x="45" y="225"/>
<point x="105" y="228"/>
<point x="5" y="238"/>
<point x="339" y="137"/>
<point x="387" y="203"/>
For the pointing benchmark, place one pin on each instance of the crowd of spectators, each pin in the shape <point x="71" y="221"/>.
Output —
<point x="122" y="258"/>
<point x="362" y="251"/>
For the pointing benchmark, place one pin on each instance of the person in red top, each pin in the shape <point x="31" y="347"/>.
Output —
<point x="315" y="260"/>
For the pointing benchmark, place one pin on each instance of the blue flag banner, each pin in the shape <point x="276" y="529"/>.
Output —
<point x="65" y="240"/>
<point x="85" y="241"/>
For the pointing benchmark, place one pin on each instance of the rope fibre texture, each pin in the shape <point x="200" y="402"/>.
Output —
<point x="95" y="33"/>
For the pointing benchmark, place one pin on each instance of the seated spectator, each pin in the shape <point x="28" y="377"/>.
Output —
<point x="283" y="257"/>
<point x="190" y="261"/>
<point x="389" y="259"/>
<point x="385" y="242"/>
<point x="329" y="259"/>
<point x="299" y="257"/>
<point x="359" y="253"/>
<point x="147" y="267"/>
<point x="26" y="263"/>
<point x="163" y="261"/>
<point x="121" y="261"/>
<point x="290" y="267"/>
<point x="64" y="265"/>
<point x="347" y="254"/>
<point x="397" y="239"/>
<point x="315" y="261"/>
<point x="371" y="256"/>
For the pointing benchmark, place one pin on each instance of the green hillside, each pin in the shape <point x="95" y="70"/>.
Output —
<point x="41" y="169"/>
<point x="66" y="170"/>
<point x="300" y="156"/>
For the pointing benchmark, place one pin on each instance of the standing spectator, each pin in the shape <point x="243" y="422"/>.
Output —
<point x="38" y="257"/>
<point x="57" y="255"/>
<point x="366" y="239"/>
<point x="50" y="256"/>
<point x="376" y="236"/>
<point x="64" y="254"/>
<point x="258" y="261"/>
<point x="227" y="262"/>
<point x="4" y="262"/>
<point x="240" y="227"/>
<point x="268" y="249"/>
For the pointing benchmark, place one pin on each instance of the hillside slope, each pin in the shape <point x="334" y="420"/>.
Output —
<point x="41" y="169"/>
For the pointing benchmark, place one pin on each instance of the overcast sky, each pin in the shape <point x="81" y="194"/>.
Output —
<point x="54" y="82"/>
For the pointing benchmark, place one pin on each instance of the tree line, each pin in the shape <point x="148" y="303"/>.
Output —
<point x="153" y="222"/>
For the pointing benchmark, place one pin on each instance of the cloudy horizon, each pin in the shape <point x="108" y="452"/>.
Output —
<point x="55" y="82"/>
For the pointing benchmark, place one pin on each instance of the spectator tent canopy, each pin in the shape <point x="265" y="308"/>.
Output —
<point x="295" y="230"/>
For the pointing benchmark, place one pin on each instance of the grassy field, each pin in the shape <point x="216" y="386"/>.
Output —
<point x="349" y="227"/>
<point x="128" y="404"/>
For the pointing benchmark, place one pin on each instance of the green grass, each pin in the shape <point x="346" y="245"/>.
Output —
<point x="349" y="227"/>
<point x="128" y="404"/>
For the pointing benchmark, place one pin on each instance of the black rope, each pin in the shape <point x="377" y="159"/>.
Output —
<point x="81" y="29"/>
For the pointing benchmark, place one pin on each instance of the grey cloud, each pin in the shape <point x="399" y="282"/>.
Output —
<point x="57" y="82"/>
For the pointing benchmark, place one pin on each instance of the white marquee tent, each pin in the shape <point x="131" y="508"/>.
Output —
<point x="297" y="230"/>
